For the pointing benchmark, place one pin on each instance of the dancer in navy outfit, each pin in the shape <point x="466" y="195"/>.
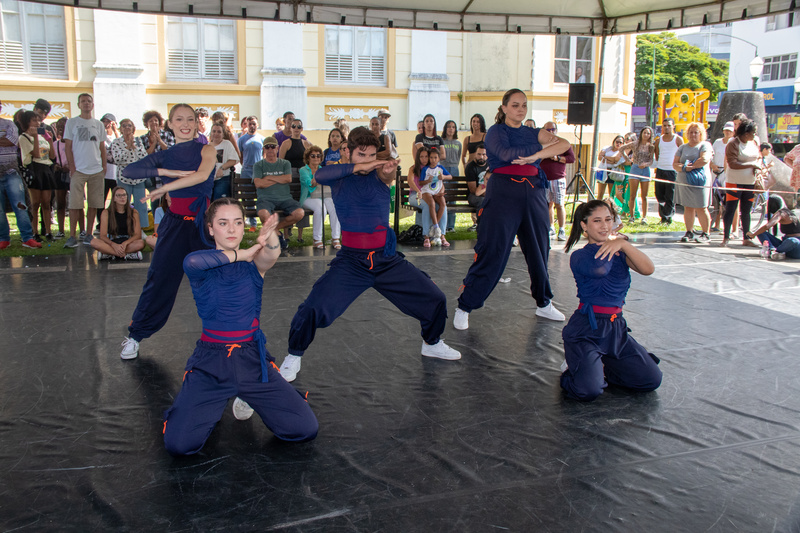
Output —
<point x="231" y="357"/>
<point x="515" y="204"/>
<point x="368" y="257"/>
<point x="187" y="170"/>
<point x="597" y="346"/>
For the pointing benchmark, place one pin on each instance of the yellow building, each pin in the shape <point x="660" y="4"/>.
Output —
<point x="134" y="62"/>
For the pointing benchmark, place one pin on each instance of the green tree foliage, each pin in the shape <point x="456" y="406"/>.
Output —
<point x="678" y="65"/>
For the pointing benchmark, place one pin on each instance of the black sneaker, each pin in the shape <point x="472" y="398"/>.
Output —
<point x="282" y="241"/>
<point x="49" y="237"/>
<point x="37" y="238"/>
<point x="688" y="236"/>
<point x="703" y="237"/>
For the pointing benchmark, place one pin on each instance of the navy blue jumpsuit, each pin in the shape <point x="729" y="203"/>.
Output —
<point x="180" y="232"/>
<point x="231" y="359"/>
<point x="597" y="346"/>
<point x="367" y="259"/>
<point x="515" y="204"/>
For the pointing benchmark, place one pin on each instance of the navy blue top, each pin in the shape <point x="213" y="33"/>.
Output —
<point x="362" y="201"/>
<point x="504" y="144"/>
<point x="228" y="296"/>
<point x="600" y="281"/>
<point x="182" y="156"/>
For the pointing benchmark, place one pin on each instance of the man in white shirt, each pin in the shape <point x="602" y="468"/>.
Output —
<point x="85" y="146"/>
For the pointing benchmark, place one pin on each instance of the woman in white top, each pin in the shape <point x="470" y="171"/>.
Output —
<point x="126" y="150"/>
<point x="610" y="158"/>
<point x="227" y="157"/>
<point x="743" y="158"/>
<point x="695" y="199"/>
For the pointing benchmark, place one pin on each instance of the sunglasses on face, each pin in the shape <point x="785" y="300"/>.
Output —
<point x="297" y="127"/>
<point x="551" y="129"/>
<point x="270" y="146"/>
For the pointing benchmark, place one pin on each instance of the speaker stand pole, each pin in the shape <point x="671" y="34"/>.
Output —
<point x="579" y="175"/>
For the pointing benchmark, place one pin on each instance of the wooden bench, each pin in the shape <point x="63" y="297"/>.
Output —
<point x="245" y="191"/>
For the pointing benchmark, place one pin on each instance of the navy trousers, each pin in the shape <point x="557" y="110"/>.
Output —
<point x="605" y="355"/>
<point x="217" y="372"/>
<point x="177" y="238"/>
<point x="352" y="272"/>
<point x="514" y="205"/>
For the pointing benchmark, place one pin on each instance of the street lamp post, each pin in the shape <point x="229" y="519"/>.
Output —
<point x="756" y="66"/>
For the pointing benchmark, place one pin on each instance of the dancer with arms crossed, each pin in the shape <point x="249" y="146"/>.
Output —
<point x="187" y="170"/>
<point x="231" y="357"/>
<point x="597" y="346"/>
<point x="368" y="257"/>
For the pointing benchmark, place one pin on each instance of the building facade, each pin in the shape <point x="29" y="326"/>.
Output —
<point x="777" y="39"/>
<point x="134" y="62"/>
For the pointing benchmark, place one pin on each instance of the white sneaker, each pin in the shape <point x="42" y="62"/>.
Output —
<point x="562" y="234"/>
<point x="133" y="256"/>
<point x="241" y="409"/>
<point x="130" y="349"/>
<point x="564" y="367"/>
<point x="290" y="367"/>
<point x="102" y="257"/>
<point x="516" y="241"/>
<point x="778" y="256"/>
<point x="440" y="351"/>
<point x="550" y="312"/>
<point x="461" y="319"/>
<point x="552" y="231"/>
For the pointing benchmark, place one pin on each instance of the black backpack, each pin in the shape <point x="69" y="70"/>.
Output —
<point x="412" y="235"/>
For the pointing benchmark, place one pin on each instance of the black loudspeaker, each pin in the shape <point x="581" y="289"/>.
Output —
<point x="580" y="106"/>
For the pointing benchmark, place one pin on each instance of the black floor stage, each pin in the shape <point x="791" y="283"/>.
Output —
<point x="409" y="444"/>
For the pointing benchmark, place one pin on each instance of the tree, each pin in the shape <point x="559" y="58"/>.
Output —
<point x="678" y="65"/>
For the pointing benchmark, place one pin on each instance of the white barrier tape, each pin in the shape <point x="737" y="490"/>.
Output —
<point x="636" y="176"/>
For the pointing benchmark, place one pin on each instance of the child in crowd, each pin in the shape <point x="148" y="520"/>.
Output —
<point x="597" y="347"/>
<point x="231" y="357"/>
<point x="618" y="224"/>
<point x="788" y="220"/>
<point x="120" y="229"/>
<point x="432" y="190"/>
<point x="333" y="153"/>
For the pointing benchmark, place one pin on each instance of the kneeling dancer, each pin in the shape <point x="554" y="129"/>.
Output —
<point x="231" y="357"/>
<point x="597" y="346"/>
<point x="368" y="257"/>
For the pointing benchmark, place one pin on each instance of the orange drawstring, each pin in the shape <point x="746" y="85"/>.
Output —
<point x="524" y="179"/>
<point x="369" y="256"/>
<point x="231" y="347"/>
<point x="613" y="317"/>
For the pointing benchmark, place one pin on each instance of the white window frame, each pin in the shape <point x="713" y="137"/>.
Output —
<point x="201" y="63"/>
<point x="573" y="60"/>
<point x="41" y="56"/>
<point x="790" y="60"/>
<point x="781" y="22"/>
<point x="355" y="68"/>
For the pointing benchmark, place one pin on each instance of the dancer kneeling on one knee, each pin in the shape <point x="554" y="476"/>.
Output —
<point x="597" y="346"/>
<point x="231" y="357"/>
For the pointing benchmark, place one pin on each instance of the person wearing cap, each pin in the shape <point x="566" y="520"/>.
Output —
<point x="384" y="117"/>
<point x="272" y="176"/>
<point x="718" y="168"/>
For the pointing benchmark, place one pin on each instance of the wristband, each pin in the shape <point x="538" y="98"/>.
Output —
<point x="235" y="256"/>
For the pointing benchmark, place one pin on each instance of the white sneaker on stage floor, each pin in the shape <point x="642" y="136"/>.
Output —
<point x="241" y="409"/>
<point x="440" y="351"/>
<point x="461" y="320"/>
<point x="550" y="312"/>
<point x="290" y="367"/>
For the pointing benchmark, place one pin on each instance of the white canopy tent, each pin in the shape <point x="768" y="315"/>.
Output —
<point x="573" y="17"/>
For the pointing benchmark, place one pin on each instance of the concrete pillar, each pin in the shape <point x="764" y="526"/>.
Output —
<point x="751" y="103"/>
<point x="428" y="91"/>
<point x="119" y="85"/>
<point x="283" y="86"/>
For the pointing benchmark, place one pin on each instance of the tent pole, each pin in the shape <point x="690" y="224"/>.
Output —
<point x="597" y="103"/>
